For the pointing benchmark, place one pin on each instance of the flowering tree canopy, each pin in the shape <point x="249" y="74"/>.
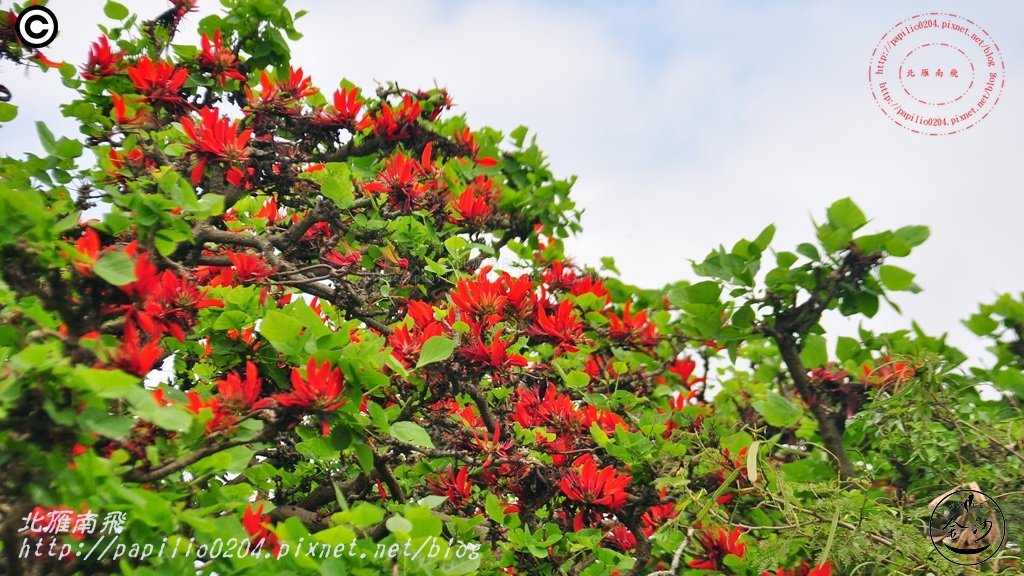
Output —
<point x="241" y="305"/>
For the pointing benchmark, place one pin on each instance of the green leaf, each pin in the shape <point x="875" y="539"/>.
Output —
<point x="8" y="112"/>
<point x="808" y="250"/>
<point x="777" y="411"/>
<point x="364" y="455"/>
<point x="398" y="524"/>
<point x="411" y="433"/>
<point x="814" y="353"/>
<point x="115" y="11"/>
<point x="981" y="324"/>
<point x="279" y="327"/>
<point x="577" y="379"/>
<point x="845" y="214"/>
<point x="116" y="268"/>
<point x="46" y="137"/>
<point x="436" y="349"/>
<point x="847" y="348"/>
<point x="705" y="292"/>
<point x="337" y="185"/>
<point x="913" y="235"/>
<point x="1010" y="379"/>
<point x="867" y="304"/>
<point x="765" y="237"/>
<point x="895" y="278"/>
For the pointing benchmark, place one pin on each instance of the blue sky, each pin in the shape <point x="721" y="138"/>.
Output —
<point x="708" y="119"/>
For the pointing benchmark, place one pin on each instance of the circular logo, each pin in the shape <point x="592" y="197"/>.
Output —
<point x="36" y="27"/>
<point x="936" y="74"/>
<point x="967" y="527"/>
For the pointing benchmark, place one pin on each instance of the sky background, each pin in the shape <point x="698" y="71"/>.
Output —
<point x="689" y="124"/>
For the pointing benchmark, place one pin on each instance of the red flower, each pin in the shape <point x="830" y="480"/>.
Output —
<point x="474" y="204"/>
<point x="684" y="370"/>
<point x="269" y="211"/>
<point x="480" y="298"/>
<point x="494" y="355"/>
<point x="257" y="526"/>
<point x="88" y="247"/>
<point x="121" y="116"/>
<point x="160" y="81"/>
<point x="131" y="356"/>
<point x="320" y="390"/>
<point x="563" y="328"/>
<point x="621" y="538"/>
<point x="887" y="372"/>
<point x="717" y="542"/>
<point x="553" y="409"/>
<point x="349" y="258"/>
<point x="281" y="97"/>
<point x="630" y="328"/>
<point x="347" y="105"/>
<point x="406" y="343"/>
<point x="588" y="285"/>
<point x="656" y="516"/>
<point x="585" y="483"/>
<point x="296" y="86"/>
<point x="221" y="419"/>
<point x="169" y="305"/>
<point x="821" y="570"/>
<point x="249" y="267"/>
<point x="606" y="419"/>
<point x="392" y="123"/>
<point x="237" y="394"/>
<point x="520" y="294"/>
<point x="217" y="139"/>
<point x="404" y="181"/>
<point x="102" y="61"/>
<point x="454" y="485"/>
<point x="466" y="140"/>
<point x="559" y="276"/>
<point x="218" y="60"/>
<point x="491" y="444"/>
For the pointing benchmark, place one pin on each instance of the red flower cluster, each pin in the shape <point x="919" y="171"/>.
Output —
<point x="283" y="97"/>
<point x="585" y="483"/>
<point x="559" y="415"/>
<point x="454" y="485"/>
<point x="887" y="372"/>
<point x="563" y="327"/>
<point x="406" y="182"/>
<point x="102" y="60"/>
<point x="494" y="355"/>
<point x="257" y="526"/>
<point x="159" y="81"/>
<point x="319" y="391"/>
<point x="632" y="329"/>
<point x="216" y="139"/>
<point x="390" y="122"/>
<point x="406" y="341"/>
<point x="717" y="542"/>
<point x="473" y="206"/>
<point x="347" y="106"/>
<point x="219" y="61"/>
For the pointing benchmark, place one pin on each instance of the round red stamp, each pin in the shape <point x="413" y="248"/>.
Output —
<point x="936" y="74"/>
